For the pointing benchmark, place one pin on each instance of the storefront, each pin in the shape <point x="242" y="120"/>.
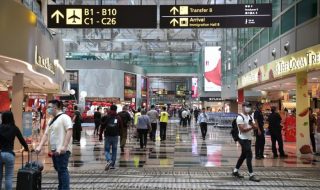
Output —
<point x="31" y="65"/>
<point x="293" y="83"/>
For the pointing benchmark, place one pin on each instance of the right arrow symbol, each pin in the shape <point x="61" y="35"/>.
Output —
<point x="57" y="14"/>
<point x="174" y="10"/>
<point x="174" y="22"/>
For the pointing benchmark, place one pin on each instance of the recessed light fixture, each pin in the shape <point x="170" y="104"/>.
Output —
<point x="314" y="78"/>
<point x="6" y="61"/>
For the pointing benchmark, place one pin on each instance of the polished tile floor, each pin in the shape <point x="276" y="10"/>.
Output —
<point x="183" y="161"/>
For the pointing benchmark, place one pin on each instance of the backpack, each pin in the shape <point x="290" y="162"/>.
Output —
<point x="111" y="127"/>
<point x="235" y="130"/>
<point x="125" y="117"/>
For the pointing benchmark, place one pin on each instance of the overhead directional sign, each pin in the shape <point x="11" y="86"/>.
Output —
<point x="216" y="16"/>
<point x="102" y="16"/>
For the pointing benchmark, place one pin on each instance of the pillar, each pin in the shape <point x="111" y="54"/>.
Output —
<point x="16" y="105"/>
<point x="302" y="113"/>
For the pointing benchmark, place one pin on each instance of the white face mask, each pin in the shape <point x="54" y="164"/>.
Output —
<point x="247" y="109"/>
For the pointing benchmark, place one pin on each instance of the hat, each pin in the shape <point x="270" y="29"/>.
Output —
<point x="247" y="104"/>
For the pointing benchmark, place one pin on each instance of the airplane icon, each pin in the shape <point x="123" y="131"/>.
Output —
<point x="74" y="17"/>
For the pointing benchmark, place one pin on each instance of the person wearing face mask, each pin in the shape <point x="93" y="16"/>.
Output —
<point x="245" y="125"/>
<point x="275" y="129"/>
<point x="59" y="134"/>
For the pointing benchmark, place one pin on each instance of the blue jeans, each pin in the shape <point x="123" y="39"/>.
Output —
<point x="111" y="141"/>
<point x="7" y="159"/>
<point x="60" y="164"/>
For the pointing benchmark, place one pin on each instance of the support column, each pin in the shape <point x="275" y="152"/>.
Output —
<point x="302" y="114"/>
<point x="17" y="103"/>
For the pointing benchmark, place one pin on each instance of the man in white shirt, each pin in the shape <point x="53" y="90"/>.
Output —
<point x="245" y="125"/>
<point x="59" y="133"/>
<point x="203" y="120"/>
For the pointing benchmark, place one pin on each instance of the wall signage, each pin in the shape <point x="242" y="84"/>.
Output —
<point x="44" y="62"/>
<point x="216" y="16"/>
<point x="102" y="16"/>
<point x="211" y="99"/>
<point x="307" y="59"/>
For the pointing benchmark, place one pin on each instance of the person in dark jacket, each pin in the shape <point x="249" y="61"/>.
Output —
<point x="259" y="132"/>
<point x="196" y="114"/>
<point x="275" y="128"/>
<point x="97" y="120"/>
<point x="126" y="118"/>
<point x="8" y="132"/>
<point x="110" y="127"/>
<point x="76" y="125"/>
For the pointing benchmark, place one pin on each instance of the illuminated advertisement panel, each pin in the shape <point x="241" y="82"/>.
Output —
<point x="212" y="68"/>
<point x="195" y="87"/>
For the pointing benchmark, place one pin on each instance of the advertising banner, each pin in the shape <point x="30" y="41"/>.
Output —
<point x="27" y="124"/>
<point x="195" y="88"/>
<point x="212" y="68"/>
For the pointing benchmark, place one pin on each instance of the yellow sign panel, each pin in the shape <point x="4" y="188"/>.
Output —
<point x="304" y="60"/>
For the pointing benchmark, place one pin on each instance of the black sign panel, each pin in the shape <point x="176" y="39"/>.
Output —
<point x="216" y="16"/>
<point x="102" y="16"/>
<point x="211" y="99"/>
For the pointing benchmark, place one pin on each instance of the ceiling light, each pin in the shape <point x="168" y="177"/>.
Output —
<point x="6" y="61"/>
<point x="314" y="78"/>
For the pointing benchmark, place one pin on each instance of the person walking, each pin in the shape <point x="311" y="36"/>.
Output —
<point x="59" y="134"/>
<point x="143" y="126"/>
<point x="154" y="116"/>
<point x="275" y="129"/>
<point x="164" y="118"/>
<point x="245" y="125"/>
<point x="203" y="120"/>
<point x="196" y="114"/>
<point x="76" y="125"/>
<point x="126" y="118"/>
<point x="259" y="132"/>
<point x="8" y="132"/>
<point x="184" y="116"/>
<point x="97" y="120"/>
<point x="312" y="129"/>
<point x="110" y="127"/>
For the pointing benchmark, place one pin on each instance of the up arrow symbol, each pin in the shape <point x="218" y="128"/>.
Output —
<point x="174" y="10"/>
<point x="174" y="22"/>
<point x="57" y="14"/>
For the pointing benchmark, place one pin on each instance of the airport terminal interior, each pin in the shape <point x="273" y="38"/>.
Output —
<point x="203" y="61"/>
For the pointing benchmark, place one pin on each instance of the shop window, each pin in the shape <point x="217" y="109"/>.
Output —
<point x="276" y="8"/>
<point x="274" y="30"/>
<point x="287" y="20"/>
<point x="306" y="10"/>
<point x="286" y="3"/>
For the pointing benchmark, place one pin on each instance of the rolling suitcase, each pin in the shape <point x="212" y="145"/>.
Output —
<point x="29" y="176"/>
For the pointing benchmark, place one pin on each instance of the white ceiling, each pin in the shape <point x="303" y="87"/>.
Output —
<point x="32" y="79"/>
<point x="288" y="84"/>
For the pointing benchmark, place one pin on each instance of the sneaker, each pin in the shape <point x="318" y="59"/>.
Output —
<point x="258" y="158"/>
<point x="254" y="178"/>
<point x="112" y="168"/>
<point x="236" y="174"/>
<point x="107" y="166"/>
